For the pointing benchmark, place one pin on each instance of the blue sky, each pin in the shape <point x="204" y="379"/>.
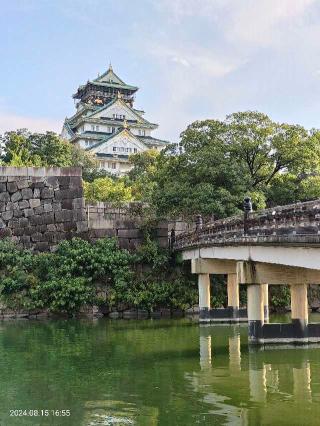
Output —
<point x="192" y="59"/>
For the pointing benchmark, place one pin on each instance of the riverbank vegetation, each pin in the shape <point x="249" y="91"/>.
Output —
<point x="82" y="274"/>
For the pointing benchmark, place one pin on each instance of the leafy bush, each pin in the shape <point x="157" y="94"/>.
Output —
<point x="279" y="296"/>
<point x="80" y="273"/>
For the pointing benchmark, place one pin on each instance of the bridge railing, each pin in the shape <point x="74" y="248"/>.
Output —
<point x="298" y="222"/>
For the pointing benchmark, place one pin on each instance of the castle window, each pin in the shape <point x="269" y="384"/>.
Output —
<point x="135" y="150"/>
<point x="114" y="149"/>
<point x="113" y="165"/>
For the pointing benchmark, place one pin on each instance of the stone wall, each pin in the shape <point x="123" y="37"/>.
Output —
<point x="41" y="206"/>
<point x="123" y="222"/>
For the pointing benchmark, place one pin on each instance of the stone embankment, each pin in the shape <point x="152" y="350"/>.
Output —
<point x="95" y="312"/>
<point x="41" y="206"/>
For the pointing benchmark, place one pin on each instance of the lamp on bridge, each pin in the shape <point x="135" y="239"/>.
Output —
<point x="199" y="222"/>
<point x="247" y="208"/>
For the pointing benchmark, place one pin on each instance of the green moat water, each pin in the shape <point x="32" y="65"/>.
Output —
<point x="165" y="372"/>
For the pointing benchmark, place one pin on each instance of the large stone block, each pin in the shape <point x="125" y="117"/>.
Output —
<point x="36" y="237"/>
<point x="75" y="182"/>
<point x="24" y="183"/>
<point x="24" y="204"/>
<point x="25" y="239"/>
<point x="9" y="206"/>
<point x="28" y="212"/>
<point x="17" y="213"/>
<point x="40" y="228"/>
<point x="56" y="206"/>
<point x="130" y="233"/>
<point x="64" y="181"/>
<point x="47" y="207"/>
<point x="59" y="227"/>
<point x="27" y="193"/>
<point x="7" y="215"/>
<point x="50" y="237"/>
<point x="47" y="193"/>
<point x="38" y="185"/>
<point x="42" y="246"/>
<point x="12" y="187"/>
<point x="3" y="187"/>
<point x="64" y="194"/>
<point x="5" y="232"/>
<point x="66" y="204"/>
<point x="14" y="223"/>
<point x="30" y="230"/>
<point x="18" y="231"/>
<point x="52" y="181"/>
<point x="79" y="215"/>
<point x="82" y="226"/>
<point x="69" y="226"/>
<point x="23" y="222"/>
<point x="39" y="210"/>
<point x="2" y="224"/>
<point x="5" y="196"/>
<point x="63" y="216"/>
<point x="34" y="202"/>
<point x="48" y="218"/>
<point x="36" y="220"/>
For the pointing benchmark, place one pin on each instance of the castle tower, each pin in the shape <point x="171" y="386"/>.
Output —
<point x="107" y="124"/>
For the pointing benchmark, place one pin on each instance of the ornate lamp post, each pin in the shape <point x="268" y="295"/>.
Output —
<point x="247" y="208"/>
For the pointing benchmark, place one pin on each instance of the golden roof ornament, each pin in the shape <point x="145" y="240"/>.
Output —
<point x="125" y="124"/>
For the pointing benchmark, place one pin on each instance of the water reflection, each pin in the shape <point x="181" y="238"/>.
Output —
<point x="256" y="386"/>
<point x="154" y="373"/>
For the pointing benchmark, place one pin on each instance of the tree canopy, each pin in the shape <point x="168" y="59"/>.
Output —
<point x="222" y="161"/>
<point x="23" y="148"/>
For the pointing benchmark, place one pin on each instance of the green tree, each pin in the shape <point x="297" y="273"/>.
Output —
<point x="23" y="148"/>
<point x="142" y="175"/>
<point x="223" y="161"/>
<point x="107" y="189"/>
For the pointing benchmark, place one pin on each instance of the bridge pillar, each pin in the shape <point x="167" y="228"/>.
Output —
<point x="299" y="310"/>
<point x="265" y="289"/>
<point x="233" y="294"/>
<point x="204" y="296"/>
<point x="205" y="352"/>
<point x="255" y="306"/>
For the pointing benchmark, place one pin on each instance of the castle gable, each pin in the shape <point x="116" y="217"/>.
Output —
<point x="124" y="143"/>
<point x="118" y="110"/>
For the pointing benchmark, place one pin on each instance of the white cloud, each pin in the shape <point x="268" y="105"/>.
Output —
<point x="10" y="121"/>
<point x="196" y="58"/>
<point x="253" y="22"/>
<point x="264" y="22"/>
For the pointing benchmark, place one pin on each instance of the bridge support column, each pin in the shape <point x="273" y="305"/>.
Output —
<point x="255" y="306"/>
<point x="204" y="296"/>
<point x="202" y="267"/>
<point x="299" y="310"/>
<point x="265" y="289"/>
<point x="233" y="295"/>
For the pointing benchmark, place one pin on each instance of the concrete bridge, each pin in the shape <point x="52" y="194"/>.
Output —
<point x="269" y="247"/>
